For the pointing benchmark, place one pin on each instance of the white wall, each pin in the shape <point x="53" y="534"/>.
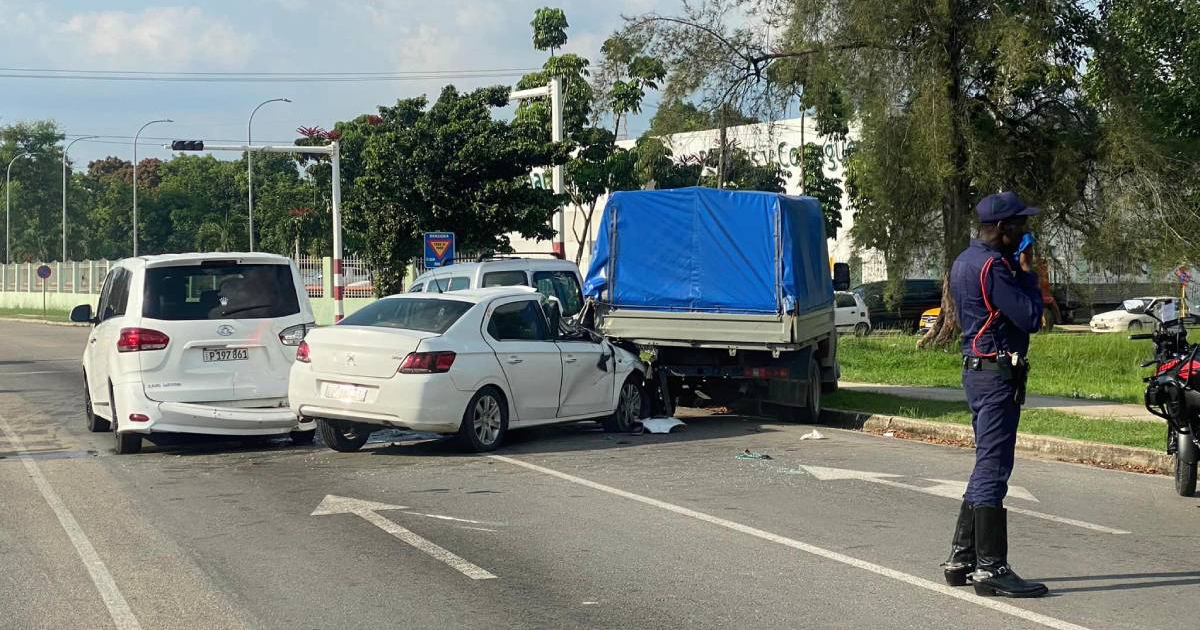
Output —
<point x="777" y="142"/>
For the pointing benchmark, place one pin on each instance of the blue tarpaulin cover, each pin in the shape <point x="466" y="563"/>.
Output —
<point x="701" y="249"/>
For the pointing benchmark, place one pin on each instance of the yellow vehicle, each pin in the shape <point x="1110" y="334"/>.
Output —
<point x="928" y="319"/>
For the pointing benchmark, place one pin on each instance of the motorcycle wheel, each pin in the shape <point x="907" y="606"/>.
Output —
<point x="1185" y="477"/>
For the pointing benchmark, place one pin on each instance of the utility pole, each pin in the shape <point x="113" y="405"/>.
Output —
<point x="8" y="207"/>
<point x="554" y="91"/>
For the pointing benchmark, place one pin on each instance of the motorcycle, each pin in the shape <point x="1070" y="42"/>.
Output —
<point x="1173" y="391"/>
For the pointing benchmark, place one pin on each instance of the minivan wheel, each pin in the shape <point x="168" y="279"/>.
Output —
<point x="341" y="436"/>
<point x="95" y="423"/>
<point x="862" y="329"/>
<point x="484" y="422"/>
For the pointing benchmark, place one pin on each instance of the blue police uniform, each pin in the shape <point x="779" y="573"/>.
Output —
<point x="998" y="306"/>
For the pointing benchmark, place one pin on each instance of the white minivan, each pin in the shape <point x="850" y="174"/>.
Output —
<point x="195" y="343"/>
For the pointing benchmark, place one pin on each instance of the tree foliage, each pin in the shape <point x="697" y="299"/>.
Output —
<point x="450" y="166"/>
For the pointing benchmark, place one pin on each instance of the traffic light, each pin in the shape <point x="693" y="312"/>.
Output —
<point x="187" y="145"/>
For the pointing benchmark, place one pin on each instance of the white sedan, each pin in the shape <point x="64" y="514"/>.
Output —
<point x="472" y="363"/>
<point x="1137" y="319"/>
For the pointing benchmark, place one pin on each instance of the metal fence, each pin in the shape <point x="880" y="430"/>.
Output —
<point x="88" y="277"/>
<point x="69" y="277"/>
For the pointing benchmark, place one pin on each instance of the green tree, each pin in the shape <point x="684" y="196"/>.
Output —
<point x="988" y="93"/>
<point x="827" y="190"/>
<point x="598" y="167"/>
<point x="450" y="166"/>
<point x="549" y="29"/>
<point x="36" y="193"/>
<point x="1143" y="80"/>
<point x="680" y="116"/>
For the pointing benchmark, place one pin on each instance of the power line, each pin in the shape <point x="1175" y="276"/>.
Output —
<point x="267" y="74"/>
<point x="253" y="79"/>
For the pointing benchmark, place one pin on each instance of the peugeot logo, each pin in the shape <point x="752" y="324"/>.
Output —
<point x="350" y="360"/>
<point x="225" y="331"/>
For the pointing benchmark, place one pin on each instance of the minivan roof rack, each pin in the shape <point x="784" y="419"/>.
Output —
<point x="513" y="255"/>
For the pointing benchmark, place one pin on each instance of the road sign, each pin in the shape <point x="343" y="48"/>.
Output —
<point x="1184" y="275"/>
<point x="43" y="272"/>
<point x="439" y="249"/>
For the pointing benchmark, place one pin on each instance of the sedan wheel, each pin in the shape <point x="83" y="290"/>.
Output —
<point x="632" y="406"/>
<point x="341" y="436"/>
<point x="484" y="422"/>
<point x="1135" y="326"/>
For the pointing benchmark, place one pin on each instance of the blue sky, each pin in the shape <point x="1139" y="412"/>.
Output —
<point x="263" y="36"/>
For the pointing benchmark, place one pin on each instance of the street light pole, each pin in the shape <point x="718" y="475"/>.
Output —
<point x="64" y="218"/>
<point x="250" y="166"/>
<point x="8" y="206"/>
<point x="135" y="179"/>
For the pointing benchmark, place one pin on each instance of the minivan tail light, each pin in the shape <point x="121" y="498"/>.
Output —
<point x="293" y="335"/>
<point x="141" y="339"/>
<point x="427" y="363"/>
<point x="302" y="353"/>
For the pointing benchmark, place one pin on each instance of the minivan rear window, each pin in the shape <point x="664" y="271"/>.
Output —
<point x="424" y="314"/>
<point x="226" y="291"/>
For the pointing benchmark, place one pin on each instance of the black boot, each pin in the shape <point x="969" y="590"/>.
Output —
<point x="993" y="576"/>
<point x="961" y="563"/>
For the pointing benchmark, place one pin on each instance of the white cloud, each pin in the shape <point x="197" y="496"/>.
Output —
<point x="158" y="38"/>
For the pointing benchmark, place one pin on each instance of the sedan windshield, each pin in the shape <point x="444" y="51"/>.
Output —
<point x="423" y="314"/>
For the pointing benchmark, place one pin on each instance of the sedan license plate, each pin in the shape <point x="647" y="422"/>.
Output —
<point x="345" y="392"/>
<point x="226" y="354"/>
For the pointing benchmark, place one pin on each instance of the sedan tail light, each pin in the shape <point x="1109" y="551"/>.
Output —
<point x="141" y="339"/>
<point x="302" y="353"/>
<point x="427" y="363"/>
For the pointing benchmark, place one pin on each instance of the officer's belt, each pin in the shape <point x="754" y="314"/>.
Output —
<point x="979" y="364"/>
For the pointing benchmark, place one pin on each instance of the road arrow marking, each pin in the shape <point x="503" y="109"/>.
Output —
<point x="951" y="490"/>
<point x="368" y="510"/>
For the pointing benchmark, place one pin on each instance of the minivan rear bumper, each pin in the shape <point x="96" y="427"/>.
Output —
<point x="208" y="419"/>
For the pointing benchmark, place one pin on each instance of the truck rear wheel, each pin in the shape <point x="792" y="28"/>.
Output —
<point x="810" y="413"/>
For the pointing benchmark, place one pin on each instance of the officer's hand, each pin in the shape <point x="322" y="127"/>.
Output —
<point x="1027" y="260"/>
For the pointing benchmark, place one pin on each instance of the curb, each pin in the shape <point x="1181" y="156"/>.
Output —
<point x="1056" y="448"/>
<point x="41" y="321"/>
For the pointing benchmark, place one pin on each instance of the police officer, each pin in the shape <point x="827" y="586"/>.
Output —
<point x="998" y="303"/>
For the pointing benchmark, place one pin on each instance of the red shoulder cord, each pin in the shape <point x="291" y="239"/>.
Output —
<point x="992" y="312"/>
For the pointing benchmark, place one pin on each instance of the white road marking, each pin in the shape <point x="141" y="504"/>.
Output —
<point x="942" y="589"/>
<point x="35" y="373"/>
<point x="952" y="490"/>
<point x="449" y="518"/>
<point x="333" y="504"/>
<point x="118" y="608"/>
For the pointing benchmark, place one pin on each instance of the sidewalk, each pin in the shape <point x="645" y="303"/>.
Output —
<point x="1090" y="408"/>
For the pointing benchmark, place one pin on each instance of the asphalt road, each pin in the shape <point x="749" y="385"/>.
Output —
<point x="567" y="528"/>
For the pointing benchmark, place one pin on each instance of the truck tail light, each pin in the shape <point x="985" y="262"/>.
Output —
<point x="141" y="339"/>
<point x="766" y="372"/>
<point x="302" y="353"/>
<point x="427" y="363"/>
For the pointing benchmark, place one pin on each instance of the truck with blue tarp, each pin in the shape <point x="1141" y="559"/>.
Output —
<point x="726" y="294"/>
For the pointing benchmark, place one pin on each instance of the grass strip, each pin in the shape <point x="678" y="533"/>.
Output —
<point x="1085" y="366"/>
<point x="1033" y="421"/>
<point x="35" y="314"/>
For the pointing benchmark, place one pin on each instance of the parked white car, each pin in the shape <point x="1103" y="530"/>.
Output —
<point x="195" y="343"/>
<point x="552" y="277"/>
<point x="1123" y="320"/>
<point x="850" y="314"/>
<point x="473" y="363"/>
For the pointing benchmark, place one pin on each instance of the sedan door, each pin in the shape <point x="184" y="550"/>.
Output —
<point x="518" y="332"/>
<point x="587" y="385"/>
